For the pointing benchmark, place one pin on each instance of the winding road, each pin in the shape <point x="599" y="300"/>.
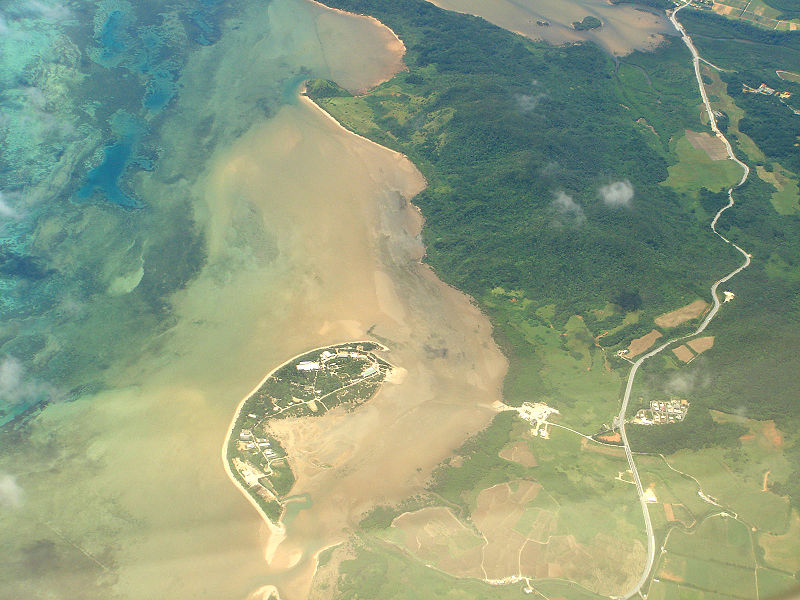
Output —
<point x="651" y="542"/>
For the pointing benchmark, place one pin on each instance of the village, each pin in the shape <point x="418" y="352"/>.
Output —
<point x="307" y="385"/>
<point x="659" y="413"/>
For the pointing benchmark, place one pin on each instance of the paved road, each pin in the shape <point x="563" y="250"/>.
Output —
<point x="651" y="541"/>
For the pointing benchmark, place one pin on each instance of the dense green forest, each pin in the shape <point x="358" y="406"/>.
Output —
<point x="521" y="142"/>
<point x="517" y="140"/>
<point x="790" y="9"/>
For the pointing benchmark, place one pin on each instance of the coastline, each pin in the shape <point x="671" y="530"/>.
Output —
<point x="305" y="99"/>
<point x="396" y="45"/>
<point x="277" y="530"/>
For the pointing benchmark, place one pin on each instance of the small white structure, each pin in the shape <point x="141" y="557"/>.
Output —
<point x="308" y="365"/>
<point x="371" y="370"/>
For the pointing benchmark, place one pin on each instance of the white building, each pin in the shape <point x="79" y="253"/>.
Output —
<point x="308" y="365"/>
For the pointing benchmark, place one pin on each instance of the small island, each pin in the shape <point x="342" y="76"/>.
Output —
<point x="306" y="386"/>
<point x="588" y="22"/>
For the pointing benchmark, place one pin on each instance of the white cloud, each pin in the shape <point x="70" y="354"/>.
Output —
<point x="16" y="388"/>
<point x="11" y="494"/>
<point x="6" y="210"/>
<point x="55" y="12"/>
<point x="617" y="194"/>
<point x="528" y="103"/>
<point x="568" y="208"/>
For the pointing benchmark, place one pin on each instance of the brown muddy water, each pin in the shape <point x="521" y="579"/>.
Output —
<point x="625" y="27"/>
<point x="311" y="240"/>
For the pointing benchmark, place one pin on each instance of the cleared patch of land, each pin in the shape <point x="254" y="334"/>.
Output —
<point x="642" y="344"/>
<point x="696" y="169"/>
<point x="681" y="315"/>
<point x="519" y="452"/>
<point x="498" y="511"/>
<point x="788" y="76"/>
<point x="683" y="353"/>
<point x="783" y="550"/>
<point x="786" y="198"/>
<point x="437" y="537"/>
<point x="711" y="145"/>
<point x="701" y="344"/>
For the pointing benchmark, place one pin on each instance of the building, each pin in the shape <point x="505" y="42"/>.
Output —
<point x="308" y="365"/>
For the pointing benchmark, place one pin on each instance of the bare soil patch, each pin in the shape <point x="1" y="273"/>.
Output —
<point x="683" y="314"/>
<point x="669" y="514"/>
<point x="772" y="434"/>
<point x="683" y="353"/>
<point x="643" y="343"/>
<point x="498" y="511"/>
<point x="701" y="344"/>
<point x="437" y="537"/>
<point x="711" y="145"/>
<point x="519" y="453"/>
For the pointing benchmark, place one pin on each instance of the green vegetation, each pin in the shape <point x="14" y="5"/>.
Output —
<point x="480" y="467"/>
<point x="716" y="558"/>
<point x="380" y="572"/>
<point x="696" y="170"/>
<point x="515" y="160"/>
<point x="697" y="430"/>
<point x="322" y="88"/>
<point x="588" y="22"/>
<point x="788" y="8"/>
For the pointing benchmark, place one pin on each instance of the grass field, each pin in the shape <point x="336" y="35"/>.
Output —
<point x="773" y="583"/>
<point x="723" y="102"/>
<point x="671" y="488"/>
<point x="782" y="551"/>
<point x="786" y="198"/>
<point x="717" y="557"/>
<point x="564" y="368"/>
<point x="740" y="491"/>
<point x="695" y="169"/>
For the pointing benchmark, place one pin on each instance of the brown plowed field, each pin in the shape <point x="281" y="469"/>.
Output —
<point x="683" y="353"/>
<point x="643" y="343"/>
<point x="683" y="314"/>
<point x="700" y="345"/>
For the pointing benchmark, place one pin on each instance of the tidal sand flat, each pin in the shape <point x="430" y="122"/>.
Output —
<point x="625" y="28"/>
<point x="344" y="220"/>
<point x="306" y="238"/>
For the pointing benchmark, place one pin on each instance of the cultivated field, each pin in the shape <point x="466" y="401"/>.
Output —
<point x="642" y="344"/>
<point x="683" y="353"/>
<point x="701" y="344"/>
<point x="711" y="145"/>
<point x="681" y="315"/>
<point x="437" y="537"/>
<point x="519" y="452"/>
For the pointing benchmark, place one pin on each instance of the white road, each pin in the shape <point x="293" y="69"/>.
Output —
<point x="651" y="542"/>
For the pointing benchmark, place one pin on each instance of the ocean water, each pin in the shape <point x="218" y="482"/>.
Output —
<point x="148" y="279"/>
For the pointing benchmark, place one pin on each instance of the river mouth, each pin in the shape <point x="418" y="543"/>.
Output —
<point x="626" y="28"/>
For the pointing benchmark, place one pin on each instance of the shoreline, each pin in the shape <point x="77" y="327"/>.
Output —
<point x="382" y="26"/>
<point x="277" y="530"/>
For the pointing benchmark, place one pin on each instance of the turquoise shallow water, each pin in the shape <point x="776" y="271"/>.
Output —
<point x="88" y="101"/>
<point x="84" y="91"/>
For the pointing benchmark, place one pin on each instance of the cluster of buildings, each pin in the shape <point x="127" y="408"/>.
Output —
<point x="536" y="414"/>
<point x="328" y="355"/>
<point x="670" y="411"/>
<point x="247" y="441"/>
<point x="766" y="90"/>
